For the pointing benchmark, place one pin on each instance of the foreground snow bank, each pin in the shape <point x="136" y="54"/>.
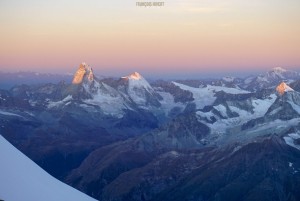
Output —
<point x="21" y="179"/>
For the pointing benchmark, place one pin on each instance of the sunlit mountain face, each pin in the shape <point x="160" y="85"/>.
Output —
<point x="129" y="138"/>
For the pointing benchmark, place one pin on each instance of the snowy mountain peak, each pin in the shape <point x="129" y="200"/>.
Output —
<point x="84" y="72"/>
<point x="136" y="80"/>
<point x="134" y="76"/>
<point x="228" y="79"/>
<point x="282" y="88"/>
<point x="279" y="70"/>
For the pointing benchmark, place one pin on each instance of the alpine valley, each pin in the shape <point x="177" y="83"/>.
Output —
<point x="121" y="139"/>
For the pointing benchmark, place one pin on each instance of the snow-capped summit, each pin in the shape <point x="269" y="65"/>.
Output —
<point x="139" y="90"/>
<point x="281" y="73"/>
<point x="287" y="104"/>
<point x="279" y="70"/>
<point x="136" y="80"/>
<point x="228" y="79"/>
<point x="135" y="76"/>
<point x="270" y="79"/>
<point x="282" y="88"/>
<point x="84" y="72"/>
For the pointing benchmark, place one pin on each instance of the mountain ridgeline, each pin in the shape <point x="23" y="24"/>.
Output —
<point x="194" y="140"/>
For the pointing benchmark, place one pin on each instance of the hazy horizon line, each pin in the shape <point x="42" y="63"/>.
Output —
<point x="201" y="74"/>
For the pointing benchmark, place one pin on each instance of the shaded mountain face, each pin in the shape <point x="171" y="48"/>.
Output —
<point x="264" y="170"/>
<point x="128" y="139"/>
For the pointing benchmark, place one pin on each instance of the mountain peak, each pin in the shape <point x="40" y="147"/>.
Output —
<point x="83" y="71"/>
<point x="282" y="88"/>
<point x="134" y="76"/>
<point x="279" y="70"/>
<point x="228" y="79"/>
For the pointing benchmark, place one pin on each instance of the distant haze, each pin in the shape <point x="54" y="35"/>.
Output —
<point x="186" y="38"/>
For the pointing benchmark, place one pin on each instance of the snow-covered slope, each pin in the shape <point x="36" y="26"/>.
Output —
<point x="21" y="179"/>
<point x="206" y="95"/>
<point x="138" y="89"/>
<point x="136" y="80"/>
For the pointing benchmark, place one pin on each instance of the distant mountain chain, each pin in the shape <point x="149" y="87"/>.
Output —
<point x="119" y="139"/>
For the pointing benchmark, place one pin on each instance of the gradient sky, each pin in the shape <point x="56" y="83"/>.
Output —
<point x="187" y="37"/>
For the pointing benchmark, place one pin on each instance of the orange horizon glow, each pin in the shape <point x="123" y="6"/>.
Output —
<point x="182" y="35"/>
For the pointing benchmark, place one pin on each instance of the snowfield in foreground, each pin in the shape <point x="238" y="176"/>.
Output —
<point x="21" y="179"/>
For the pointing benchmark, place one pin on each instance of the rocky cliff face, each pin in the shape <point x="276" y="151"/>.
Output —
<point x="83" y="74"/>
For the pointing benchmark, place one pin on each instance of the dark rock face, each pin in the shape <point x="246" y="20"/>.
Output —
<point x="296" y="85"/>
<point x="285" y="107"/>
<point x="258" y="171"/>
<point x="264" y="170"/>
<point x="106" y="164"/>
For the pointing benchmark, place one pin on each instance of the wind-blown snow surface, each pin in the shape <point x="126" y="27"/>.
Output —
<point x="22" y="180"/>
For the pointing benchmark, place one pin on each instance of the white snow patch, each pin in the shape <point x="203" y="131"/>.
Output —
<point x="22" y="179"/>
<point x="52" y="104"/>
<point x="138" y="87"/>
<point x="262" y="79"/>
<point x="110" y="101"/>
<point x="261" y="106"/>
<point x="206" y="96"/>
<point x="9" y="114"/>
<point x="248" y="80"/>
<point x="207" y="115"/>
<point x="228" y="79"/>
<point x="290" y="141"/>
<point x="222" y="109"/>
<point x="168" y="103"/>
<point x="32" y="103"/>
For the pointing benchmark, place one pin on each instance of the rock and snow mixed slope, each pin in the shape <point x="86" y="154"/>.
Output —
<point x="140" y="91"/>
<point x="282" y="88"/>
<point x="21" y="179"/>
<point x="270" y="79"/>
<point x="287" y="104"/>
<point x="206" y="121"/>
<point x="205" y="96"/>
